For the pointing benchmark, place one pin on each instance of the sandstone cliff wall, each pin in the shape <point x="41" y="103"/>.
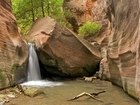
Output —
<point x="81" y="11"/>
<point x="123" y="44"/>
<point x="119" y="41"/>
<point x="120" y="44"/>
<point x="13" y="49"/>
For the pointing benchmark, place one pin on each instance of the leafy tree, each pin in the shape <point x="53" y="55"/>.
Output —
<point x="89" y="28"/>
<point x="24" y="12"/>
<point x="27" y="11"/>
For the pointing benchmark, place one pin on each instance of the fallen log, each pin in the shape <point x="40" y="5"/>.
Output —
<point x="91" y="95"/>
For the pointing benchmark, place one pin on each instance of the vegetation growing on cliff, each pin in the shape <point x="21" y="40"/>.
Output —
<point x="27" y="11"/>
<point x="89" y="28"/>
<point x="2" y="77"/>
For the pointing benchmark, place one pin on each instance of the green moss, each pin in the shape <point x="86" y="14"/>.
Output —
<point x="2" y="76"/>
<point x="89" y="28"/>
<point x="14" y="68"/>
<point x="132" y="93"/>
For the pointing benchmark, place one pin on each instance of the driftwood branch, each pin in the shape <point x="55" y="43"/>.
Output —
<point x="96" y="94"/>
<point x="92" y="95"/>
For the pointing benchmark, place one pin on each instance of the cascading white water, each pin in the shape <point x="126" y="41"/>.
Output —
<point x="33" y="64"/>
<point x="34" y="76"/>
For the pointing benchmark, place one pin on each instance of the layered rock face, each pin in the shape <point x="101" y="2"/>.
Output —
<point x="13" y="49"/>
<point x="81" y="11"/>
<point x="119" y="44"/>
<point x="119" y="41"/>
<point x="61" y="51"/>
<point x="123" y="45"/>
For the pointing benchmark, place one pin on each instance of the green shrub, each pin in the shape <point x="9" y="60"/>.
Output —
<point x="89" y="28"/>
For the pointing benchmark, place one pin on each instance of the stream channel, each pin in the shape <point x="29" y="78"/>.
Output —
<point x="60" y="93"/>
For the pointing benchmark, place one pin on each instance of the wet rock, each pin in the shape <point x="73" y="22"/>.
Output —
<point x="32" y="91"/>
<point x="61" y="51"/>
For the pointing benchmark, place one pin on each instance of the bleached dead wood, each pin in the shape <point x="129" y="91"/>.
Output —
<point x="91" y="95"/>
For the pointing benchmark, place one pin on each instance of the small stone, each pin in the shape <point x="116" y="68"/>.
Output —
<point x="11" y="95"/>
<point x="33" y="92"/>
<point x="3" y="96"/>
<point x="89" y="79"/>
<point x="2" y="102"/>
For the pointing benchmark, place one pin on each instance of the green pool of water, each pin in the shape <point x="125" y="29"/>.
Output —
<point x="59" y="95"/>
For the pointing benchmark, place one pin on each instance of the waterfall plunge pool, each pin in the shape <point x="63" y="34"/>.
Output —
<point x="41" y="83"/>
<point x="58" y="95"/>
<point x="34" y="75"/>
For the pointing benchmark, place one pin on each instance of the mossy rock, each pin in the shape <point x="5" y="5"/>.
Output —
<point x="3" y="79"/>
<point x="2" y="76"/>
<point x="14" y="67"/>
<point x="32" y="91"/>
<point x="132" y="93"/>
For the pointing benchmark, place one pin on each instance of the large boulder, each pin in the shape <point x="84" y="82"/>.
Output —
<point x="61" y="51"/>
<point x="13" y="49"/>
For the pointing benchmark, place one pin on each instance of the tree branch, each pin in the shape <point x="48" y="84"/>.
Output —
<point x="92" y="95"/>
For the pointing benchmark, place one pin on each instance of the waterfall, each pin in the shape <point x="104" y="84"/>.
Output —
<point x="33" y="64"/>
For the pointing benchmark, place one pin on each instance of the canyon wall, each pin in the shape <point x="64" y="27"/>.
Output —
<point x="79" y="11"/>
<point x="118" y="39"/>
<point x="123" y="45"/>
<point x="13" y="49"/>
<point x="120" y="45"/>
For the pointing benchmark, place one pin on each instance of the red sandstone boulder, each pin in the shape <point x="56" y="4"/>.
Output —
<point x="61" y="51"/>
<point x="13" y="49"/>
